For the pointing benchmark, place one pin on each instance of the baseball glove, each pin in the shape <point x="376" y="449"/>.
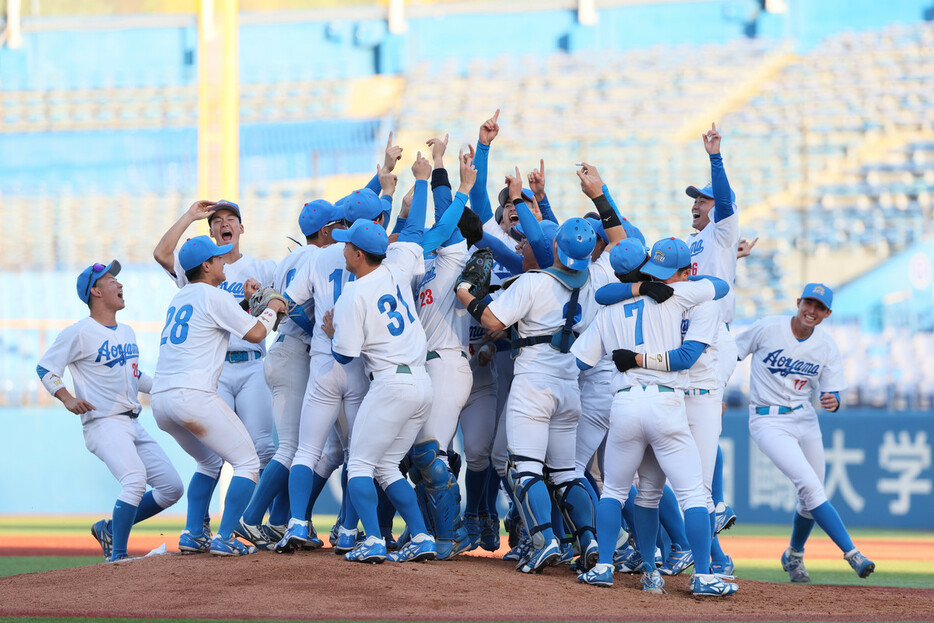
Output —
<point x="260" y="300"/>
<point x="477" y="273"/>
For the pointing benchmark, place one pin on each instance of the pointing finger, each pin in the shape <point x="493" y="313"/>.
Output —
<point x="389" y="142"/>
<point x="541" y="168"/>
<point x="496" y="116"/>
<point x="445" y="140"/>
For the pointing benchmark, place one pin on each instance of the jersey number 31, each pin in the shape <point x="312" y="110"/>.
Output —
<point x="387" y="305"/>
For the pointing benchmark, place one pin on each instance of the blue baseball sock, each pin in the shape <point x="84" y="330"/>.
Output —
<point x="147" y="508"/>
<point x="697" y="526"/>
<point x="279" y="510"/>
<point x="827" y="518"/>
<point x="646" y="524"/>
<point x="629" y="510"/>
<point x="800" y="531"/>
<point x="200" y="490"/>
<point x="345" y="495"/>
<point x="275" y="478"/>
<point x="300" y="482"/>
<point x="402" y="496"/>
<point x="238" y="496"/>
<point x="557" y="524"/>
<point x="609" y="521"/>
<point x="716" y="552"/>
<point x="362" y="494"/>
<point x="669" y="514"/>
<point x="491" y="493"/>
<point x="123" y="518"/>
<point x="318" y="483"/>
<point x="350" y="518"/>
<point x="207" y="508"/>
<point x="716" y="485"/>
<point x="475" y="491"/>
<point x="386" y="512"/>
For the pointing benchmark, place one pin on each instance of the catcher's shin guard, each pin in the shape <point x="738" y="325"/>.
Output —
<point x="535" y="510"/>
<point x="442" y="494"/>
<point x="577" y="510"/>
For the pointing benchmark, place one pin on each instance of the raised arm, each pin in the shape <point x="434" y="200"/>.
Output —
<point x="537" y="186"/>
<point x="592" y="185"/>
<point x="414" y="228"/>
<point x="722" y="194"/>
<point x="440" y="184"/>
<point x="444" y="232"/>
<point x="164" y="253"/>
<point x="479" y="198"/>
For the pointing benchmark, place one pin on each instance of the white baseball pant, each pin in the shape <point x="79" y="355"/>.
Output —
<point x="286" y="367"/>
<point x="242" y="386"/>
<point x="134" y="458"/>
<point x="478" y="422"/>
<point x="450" y="370"/>
<point x="596" y="401"/>
<point x="704" y="413"/>
<point x="504" y="370"/>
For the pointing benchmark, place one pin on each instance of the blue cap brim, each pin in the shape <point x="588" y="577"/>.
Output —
<point x="341" y="235"/>
<point x="572" y="262"/>
<point x="659" y="272"/>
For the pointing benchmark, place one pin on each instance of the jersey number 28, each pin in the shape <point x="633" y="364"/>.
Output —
<point x="387" y="305"/>
<point x="179" y="331"/>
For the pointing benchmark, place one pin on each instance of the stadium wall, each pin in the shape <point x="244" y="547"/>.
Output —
<point x="160" y="51"/>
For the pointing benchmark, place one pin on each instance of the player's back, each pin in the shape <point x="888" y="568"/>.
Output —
<point x="446" y="323"/>
<point x="328" y="280"/>
<point x="286" y="271"/>
<point x="194" y="340"/>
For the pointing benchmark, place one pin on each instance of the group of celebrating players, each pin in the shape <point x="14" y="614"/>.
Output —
<point x="585" y="371"/>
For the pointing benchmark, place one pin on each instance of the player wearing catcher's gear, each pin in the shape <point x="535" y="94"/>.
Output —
<point x="791" y="358"/>
<point x="104" y="361"/>
<point x="286" y="368"/>
<point x="185" y="402"/>
<point x="374" y="321"/>
<point x="241" y="384"/>
<point x="648" y="414"/>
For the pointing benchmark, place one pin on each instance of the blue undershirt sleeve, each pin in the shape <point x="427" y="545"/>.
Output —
<point x="373" y="185"/>
<point x="508" y="258"/>
<point x="582" y="366"/>
<point x="414" y="228"/>
<point x="834" y="394"/>
<point x="721" y="287"/>
<point x="400" y="223"/>
<point x="444" y="232"/>
<point x="341" y="359"/>
<point x="686" y="356"/>
<point x="41" y="371"/>
<point x="723" y="204"/>
<point x="614" y="293"/>
<point x="479" y="199"/>
<point x="544" y="206"/>
<point x="532" y="229"/>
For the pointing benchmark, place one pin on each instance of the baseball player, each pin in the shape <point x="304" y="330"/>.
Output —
<point x="242" y="384"/>
<point x="185" y="402"/>
<point x="648" y="426"/>
<point x="287" y="369"/>
<point x="374" y="321"/>
<point x="791" y="358"/>
<point x="104" y="361"/>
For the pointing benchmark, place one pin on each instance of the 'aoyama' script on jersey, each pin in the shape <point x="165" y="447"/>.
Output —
<point x="104" y="365"/>
<point x="446" y="321"/>
<point x="713" y="252"/>
<point x="784" y="371"/>
<point x="199" y="323"/>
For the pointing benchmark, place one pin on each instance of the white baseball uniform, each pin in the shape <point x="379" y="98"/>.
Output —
<point x="782" y="421"/>
<point x="242" y="383"/>
<point x="376" y="320"/>
<point x="104" y="365"/>
<point x="648" y="408"/>
<point x="185" y="402"/>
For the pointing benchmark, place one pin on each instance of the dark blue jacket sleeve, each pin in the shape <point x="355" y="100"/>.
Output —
<point x="722" y="195"/>
<point x="414" y="227"/>
<point x="686" y="356"/>
<point x="721" y="287"/>
<point x="444" y="232"/>
<point x="508" y="258"/>
<point x="479" y="199"/>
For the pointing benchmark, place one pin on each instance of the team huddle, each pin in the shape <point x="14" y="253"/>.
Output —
<point x="585" y="371"/>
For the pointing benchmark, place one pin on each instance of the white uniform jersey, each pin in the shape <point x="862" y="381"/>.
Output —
<point x="602" y="273"/>
<point x="286" y="272"/>
<point x="713" y="252"/>
<point x="446" y="321"/>
<point x="701" y="324"/>
<point x="104" y="364"/>
<point x="643" y="326"/>
<point x="376" y="315"/>
<point x="536" y="304"/>
<point x="199" y="323"/>
<point x="235" y="275"/>
<point x="784" y="370"/>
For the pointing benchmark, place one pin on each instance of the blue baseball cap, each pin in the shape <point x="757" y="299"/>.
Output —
<point x="597" y="227"/>
<point x="504" y="195"/>
<point x="363" y="203"/>
<point x="684" y="253"/>
<point x="575" y="241"/>
<point x="627" y="255"/>
<point x="365" y="235"/>
<point x="223" y="204"/>
<point x="665" y="258"/>
<point x="198" y="250"/>
<point x="91" y="274"/>
<point x="706" y="191"/>
<point x="818" y="292"/>
<point x="315" y="215"/>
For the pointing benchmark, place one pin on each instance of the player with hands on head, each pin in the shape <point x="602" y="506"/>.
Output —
<point x="103" y="357"/>
<point x="791" y="358"/>
<point x="199" y="322"/>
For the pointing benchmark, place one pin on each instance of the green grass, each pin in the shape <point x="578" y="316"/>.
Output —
<point x="14" y="565"/>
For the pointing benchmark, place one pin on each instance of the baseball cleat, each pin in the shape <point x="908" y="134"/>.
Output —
<point x="724" y="518"/>
<point x="567" y="555"/>
<point x="678" y="560"/>
<point x="793" y="563"/>
<point x="489" y="532"/>
<point x="419" y="549"/>
<point x="191" y="544"/>
<point x="722" y="567"/>
<point x="207" y="529"/>
<point x="627" y="560"/>
<point x="653" y="582"/>
<point x="371" y="550"/>
<point x="296" y="535"/>
<point x="600" y="575"/>
<point x="709" y="585"/>
<point x="590" y="557"/>
<point x="230" y="547"/>
<point x="332" y="537"/>
<point x="861" y="565"/>
<point x="255" y="535"/>
<point x="346" y="540"/>
<point x="119" y="557"/>
<point x="513" y="524"/>
<point x="540" y="558"/>
<point x="314" y="542"/>
<point x="474" y="530"/>
<point x="101" y="531"/>
<point x="273" y="532"/>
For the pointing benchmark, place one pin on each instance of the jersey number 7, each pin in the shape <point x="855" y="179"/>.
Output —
<point x="636" y="308"/>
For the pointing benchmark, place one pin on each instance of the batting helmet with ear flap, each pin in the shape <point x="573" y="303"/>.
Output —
<point x="575" y="240"/>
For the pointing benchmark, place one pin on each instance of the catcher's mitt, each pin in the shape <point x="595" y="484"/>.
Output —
<point x="260" y="300"/>
<point x="477" y="273"/>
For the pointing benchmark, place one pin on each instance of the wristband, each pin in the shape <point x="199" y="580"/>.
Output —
<point x="268" y="320"/>
<point x="518" y="201"/>
<point x="608" y="215"/>
<point x="52" y="383"/>
<point x="476" y="308"/>
<point x="656" y="362"/>
<point x="439" y="177"/>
